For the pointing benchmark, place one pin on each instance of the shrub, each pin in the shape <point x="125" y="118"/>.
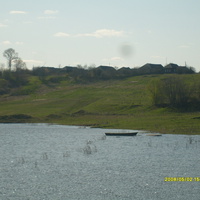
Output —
<point x="172" y="91"/>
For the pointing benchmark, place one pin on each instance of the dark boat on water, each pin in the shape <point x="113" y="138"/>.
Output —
<point x="154" y="134"/>
<point x="122" y="134"/>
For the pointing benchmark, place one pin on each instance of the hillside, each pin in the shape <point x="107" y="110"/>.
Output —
<point x="123" y="103"/>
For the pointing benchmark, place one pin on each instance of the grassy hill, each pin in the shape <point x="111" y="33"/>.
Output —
<point x="111" y="104"/>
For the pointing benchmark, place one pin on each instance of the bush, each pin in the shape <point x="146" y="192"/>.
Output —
<point x="156" y="91"/>
<point x="4" y="89"/>
<point x="174" y="92"/>
<point x="17" y="118"/>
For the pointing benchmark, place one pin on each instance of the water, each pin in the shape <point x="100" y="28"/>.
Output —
<point x="52" y="162"/>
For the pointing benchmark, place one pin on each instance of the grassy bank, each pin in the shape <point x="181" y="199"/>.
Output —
<point x="111" y="104"/>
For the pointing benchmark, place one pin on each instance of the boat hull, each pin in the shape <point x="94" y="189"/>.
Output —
<point x="154" y="135"/>
<point x="121" y="134"/>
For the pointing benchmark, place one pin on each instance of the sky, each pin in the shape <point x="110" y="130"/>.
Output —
<point x="128" y="33"/>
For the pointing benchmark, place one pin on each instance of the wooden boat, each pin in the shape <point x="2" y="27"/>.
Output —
<point x="121" y="134"/>
<point x="154" y="135"/>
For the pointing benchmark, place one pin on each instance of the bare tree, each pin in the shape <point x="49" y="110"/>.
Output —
<point x="19" y="64"/>
<point x="10" y="55"/>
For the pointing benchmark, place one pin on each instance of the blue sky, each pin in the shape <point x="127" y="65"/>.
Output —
<point x="108" y="32"/>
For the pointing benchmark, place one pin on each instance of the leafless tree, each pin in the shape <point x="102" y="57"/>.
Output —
<point x="19" y="64"/>
<point x="10" y="55"/>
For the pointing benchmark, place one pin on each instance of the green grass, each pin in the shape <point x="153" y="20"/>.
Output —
<point x="111" y="104"/>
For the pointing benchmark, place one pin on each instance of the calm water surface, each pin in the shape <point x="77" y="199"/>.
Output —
<point x="52" y="162"/>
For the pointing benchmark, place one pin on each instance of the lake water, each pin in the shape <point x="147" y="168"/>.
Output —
<point x="53" y="162"/>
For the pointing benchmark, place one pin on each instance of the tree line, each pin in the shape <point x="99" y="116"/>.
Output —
<point x="168" y="91"/>
<point x="91" y="73"/>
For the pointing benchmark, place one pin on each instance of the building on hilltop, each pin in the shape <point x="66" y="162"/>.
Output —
<point x="151" y="69"/>
<point x="125" y="72"/>
<point x="171" y="68"/>
<point x="106" y="68"/>
<point x="185" y="70"/>
<point x="104" y="72"/>
<point x="174" y="68"/>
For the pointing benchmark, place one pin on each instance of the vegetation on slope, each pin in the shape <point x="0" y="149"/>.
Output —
<point x="126" y="103"/>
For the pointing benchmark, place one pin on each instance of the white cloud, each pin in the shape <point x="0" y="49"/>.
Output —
<point x="6" y="42"/>
<point x="2" y="25"/>
<point x="17" y="12"/>
<point x="61" y="34"/>
<point x="50" y="12"/>
<point x="107" y="33"/>
<point x="98" y="34"/>
<point x="103" y="33"/>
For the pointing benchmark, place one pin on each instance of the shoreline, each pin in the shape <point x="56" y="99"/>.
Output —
<point x="110" y="124"/>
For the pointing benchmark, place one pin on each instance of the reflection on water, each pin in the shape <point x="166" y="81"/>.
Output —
<point x="55" y="162"/>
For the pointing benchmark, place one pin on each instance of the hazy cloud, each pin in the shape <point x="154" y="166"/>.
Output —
<point x="2" y="25"/>
<point x="103" y="33"/>
<point x="47" y="17"/>
<point x="6" y="42"/>
<point x="98" y="34"/>
<point x="50" y="12"/>
<point x="19" y="43"/>
<point x="149" y="31"/>
<point x="17" y="12"/>
<point x="117" y="58"/>
<point x="34" y="61"/>
<point x="184" y="46"/>
<point x="27" y="22"/>
<point x="157" y="57"/>
<point x="61" y="34"/>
